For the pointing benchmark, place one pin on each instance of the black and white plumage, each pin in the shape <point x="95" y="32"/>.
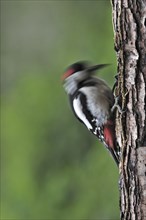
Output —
<point x="92" y="100"/>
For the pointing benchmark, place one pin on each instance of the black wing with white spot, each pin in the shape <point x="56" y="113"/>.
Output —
<point x="80" y="109"/>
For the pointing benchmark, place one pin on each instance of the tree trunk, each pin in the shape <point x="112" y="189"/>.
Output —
<point x="129" y="22"/>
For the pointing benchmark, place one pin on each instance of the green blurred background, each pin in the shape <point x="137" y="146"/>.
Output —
<point x="51" y="166"/>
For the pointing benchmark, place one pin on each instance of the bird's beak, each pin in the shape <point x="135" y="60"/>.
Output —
<point x="97" y="67"/>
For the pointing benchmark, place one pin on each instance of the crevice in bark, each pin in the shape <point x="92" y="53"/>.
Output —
<point x="129" y="22"/>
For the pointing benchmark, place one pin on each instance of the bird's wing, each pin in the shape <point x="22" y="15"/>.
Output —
<point x="81" y="111"/>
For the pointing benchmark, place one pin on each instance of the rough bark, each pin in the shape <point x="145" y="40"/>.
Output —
<point x="129" y="22"/>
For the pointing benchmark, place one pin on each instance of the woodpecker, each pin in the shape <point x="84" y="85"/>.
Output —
<point x="91" y="101"/>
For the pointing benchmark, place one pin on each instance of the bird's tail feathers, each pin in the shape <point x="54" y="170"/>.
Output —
<point x="110" y="141"/>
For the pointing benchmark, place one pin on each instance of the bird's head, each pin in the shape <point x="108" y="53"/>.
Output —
<point x="81" y="70"/>
<point x="77" y="73"/>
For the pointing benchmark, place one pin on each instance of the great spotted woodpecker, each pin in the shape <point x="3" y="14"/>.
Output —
<point x="92" y="100"/>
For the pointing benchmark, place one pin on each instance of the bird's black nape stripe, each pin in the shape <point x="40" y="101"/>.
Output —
<point x="87" y="83"/>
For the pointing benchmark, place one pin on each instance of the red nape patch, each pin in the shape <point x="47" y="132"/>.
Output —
<point x="67" y="73"/>
<point x="109" y="136"/>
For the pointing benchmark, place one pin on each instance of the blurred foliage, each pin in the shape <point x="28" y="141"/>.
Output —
<point x="51" y="166"/>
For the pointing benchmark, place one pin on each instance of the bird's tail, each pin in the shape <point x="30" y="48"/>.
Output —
<point x="110" y="140"/>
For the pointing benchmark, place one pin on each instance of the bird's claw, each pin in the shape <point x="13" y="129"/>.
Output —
<point x="116" y="105"/>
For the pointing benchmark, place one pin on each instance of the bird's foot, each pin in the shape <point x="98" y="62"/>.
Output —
<point x="116" y="105"/>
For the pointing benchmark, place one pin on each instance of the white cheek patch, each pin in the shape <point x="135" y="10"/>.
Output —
<point x="78" y="110"/>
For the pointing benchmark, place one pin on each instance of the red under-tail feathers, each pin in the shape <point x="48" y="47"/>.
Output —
<point x="110" y="140"/>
